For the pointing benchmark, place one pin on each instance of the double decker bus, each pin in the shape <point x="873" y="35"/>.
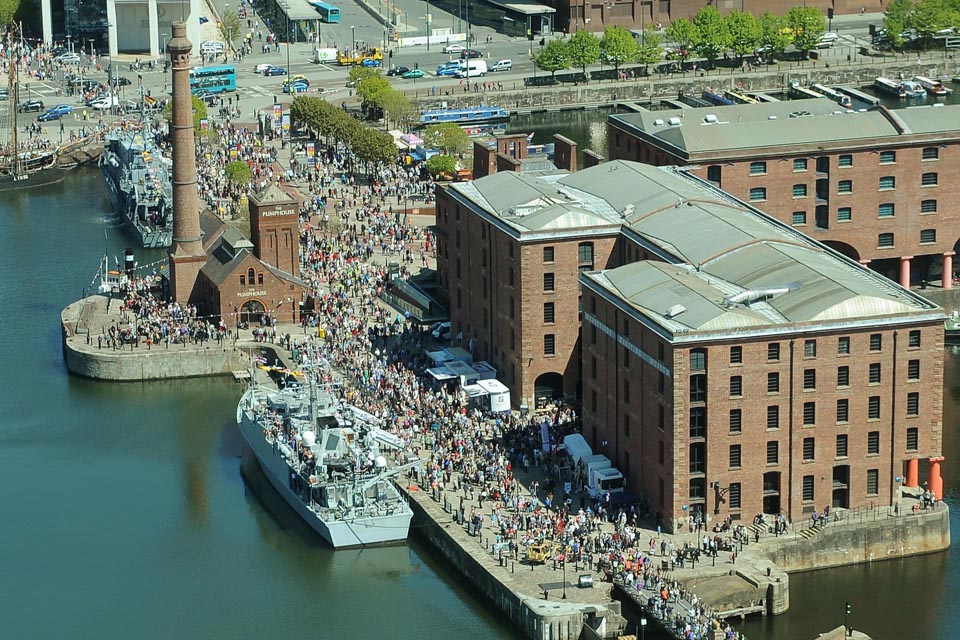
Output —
<point x="215" y="79"/>
<point x="328" y="12"/>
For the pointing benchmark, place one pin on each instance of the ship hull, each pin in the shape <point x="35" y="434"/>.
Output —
<point x="360" y="532"/>
<point x="123" y="205"/>
<point x="40" y="178"/>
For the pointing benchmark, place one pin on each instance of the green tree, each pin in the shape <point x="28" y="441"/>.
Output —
<point x="446" y="136"/>
<point x="895" y="21"/>
<point x="441" y="164"/>
<point x="807" y="25"/>
<point x="373" y="146"/>
<point x="930" y="16"/>
<point x="199" y="112"/>
<point x="684" y="33"/>
<point x="398" y="108"/>
<point x="650" y="49"/>
<point x="745" y="32"/>
<point x="552" y="57"/>
<point x="618" y="46"/>
<point x="238" y="173"/>
<point x="230" y="27"/>
<point x="7" y="10"/>
<point x="583" y="49"/>
<point x="359" y="73"/>
<point x="713" y="37"/>
<point x="774" y="39"/>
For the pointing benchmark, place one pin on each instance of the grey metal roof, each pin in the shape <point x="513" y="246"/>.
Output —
<point x="800" y="123"/>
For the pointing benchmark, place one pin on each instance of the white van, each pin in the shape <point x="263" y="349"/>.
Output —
<point x="212" y="46"/>
<point x="502" y="65"/>
<point x="472" y="68"/>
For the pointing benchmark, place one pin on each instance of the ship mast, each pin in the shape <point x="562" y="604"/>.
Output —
<point x="14" y="103"/>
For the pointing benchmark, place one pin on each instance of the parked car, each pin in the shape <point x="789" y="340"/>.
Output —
<point x="55" y="113"/>
<point x="466" y="54"/>
<point x="448" y="72"/>
<point x="454" y="48"/>
<point x="296" y="87"/>
<point x="502" y="65"/>
<point x="275" y="71"/>
<point x="398" y="71"/>
<point x="31" y="105"/>
<point x="413" y="73"/>
<point x="68" y="58"/>
<point x="370" y="62"/>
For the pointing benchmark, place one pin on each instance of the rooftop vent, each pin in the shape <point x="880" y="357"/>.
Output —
<point x="674" y="311"/>
<point x="674" y="121"/>
<point x="771" y="117"/>
<point x="800" y="114"/>
<point x="658" y="122"/>
<point x="710" y="118"/>
<point x="755" y="295"/>
<point x="628" y="210"/>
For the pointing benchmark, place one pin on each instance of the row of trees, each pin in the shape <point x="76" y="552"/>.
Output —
<point x="322" y="118"/>
<point x="708" y="35"/>
<point x="920" y="20"/>
<point x="379" y="98"/>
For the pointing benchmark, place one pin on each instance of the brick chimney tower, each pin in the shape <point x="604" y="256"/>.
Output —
<point x="186" y="255"/>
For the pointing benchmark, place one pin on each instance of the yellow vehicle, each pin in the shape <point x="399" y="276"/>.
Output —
<point x="296" y="78"/>
<point x="348" y="57"/>
<point x="541" y="552"/>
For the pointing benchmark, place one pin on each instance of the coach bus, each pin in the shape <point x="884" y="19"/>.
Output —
<point x="216" y="79"/>
<point x="328" y="12"/>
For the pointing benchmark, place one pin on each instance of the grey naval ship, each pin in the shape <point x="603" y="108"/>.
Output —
<point x="328" y="462"/>
<point x="138" y="179"/>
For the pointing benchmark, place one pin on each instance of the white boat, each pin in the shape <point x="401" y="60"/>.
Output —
<point x="326" y="462"/>
<point x="933" y="87"/>
<point x="914" y="89"/>
<point x="890" y="87"/>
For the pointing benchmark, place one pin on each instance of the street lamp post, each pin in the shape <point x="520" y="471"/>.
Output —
<point x="428" y="24"/>
<point x="353" y="35"/>
<point x="643" y="628"/>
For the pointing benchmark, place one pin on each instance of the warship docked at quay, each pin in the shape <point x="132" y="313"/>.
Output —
<point x="328" y="461"/>
<point x="138" y="179"/>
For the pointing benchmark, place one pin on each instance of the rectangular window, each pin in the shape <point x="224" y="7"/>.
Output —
<point x="549" y="282"/>
<point x="809" y="379"/>
<point x="931" y="153"/>
<point x="736" y="420"/>
<point x="873" y="482"/>
<point x="734" y="495"/>
<point x="928" y="206"/>
<point x="593" y="367"/>
<point x="736" y="355"/>
<point x="736" y="386"/>
<point x="758" y="168"/>
<point x="886" y="210"/>
<point x="808" y="449"/>
<point x="809" y="413"/>
<point x="888" y="182"/>
<point x="773" y="352"/>
<point x="626" y="425"/>
<point x="799" y="217"/>
<point x="773" y="416"/>
<point x="809" y="348"/>
<point x="512" y="307"/>
<point x="876" y="342"/>
<point x="873" y="408"/>
<point x="626" y="358"/>
<point x="758" y="194"/>
<point x="799" y="191"/>
<point x="874" y="377"/>
<point x="873" y="443"/>
<point x="844" y="214"/>
<point x="243" y="281"/>
<point x="773" y="382"/>
<point x="773" y="452"/>
<point x="698" y="387"/>
<point x="548" y="254"/>
<point x="808" y="489"/>
<point x="845" y="160"/>
<point x="929" y="179"/>
<point x="843" y="376"/>
<point x="626" y="391"/>
<point x="913" y="438"/>
<point x="548" y="313"/>
<point x="845" y="186"/>
<point x="913" y="403"/>
<point x="549" y="344"/>
<point x="698" y="360"/>
<point x="843" y="410"/>
<point x="928" y="236"/>
<point x="799" y="164"/>
<point x="843" y="345"/>
<point x="888" y="157"/>
<point x="842" y="445"/>
<point x="913" y="370"/>
<point x="509" y="273"/>
<point x="914" y="339"/>
<point x="734" y="456"/>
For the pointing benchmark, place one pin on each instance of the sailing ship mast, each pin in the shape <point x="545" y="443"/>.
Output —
<point x="14" y="105"/>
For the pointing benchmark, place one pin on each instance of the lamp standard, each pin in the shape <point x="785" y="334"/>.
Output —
<point x="427" y="2"/>
<point x="353" y="35"/>
<point x="643" y="628"/>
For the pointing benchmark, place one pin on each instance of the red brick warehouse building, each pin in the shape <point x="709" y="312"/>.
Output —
<point x="879" y="186"/>
<point x="726" y="362"/>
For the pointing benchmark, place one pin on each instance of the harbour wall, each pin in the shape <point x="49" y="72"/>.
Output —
<point x="160" y="364"/>
<point x="517" y="98"/>
<point x="876" y="535"/>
